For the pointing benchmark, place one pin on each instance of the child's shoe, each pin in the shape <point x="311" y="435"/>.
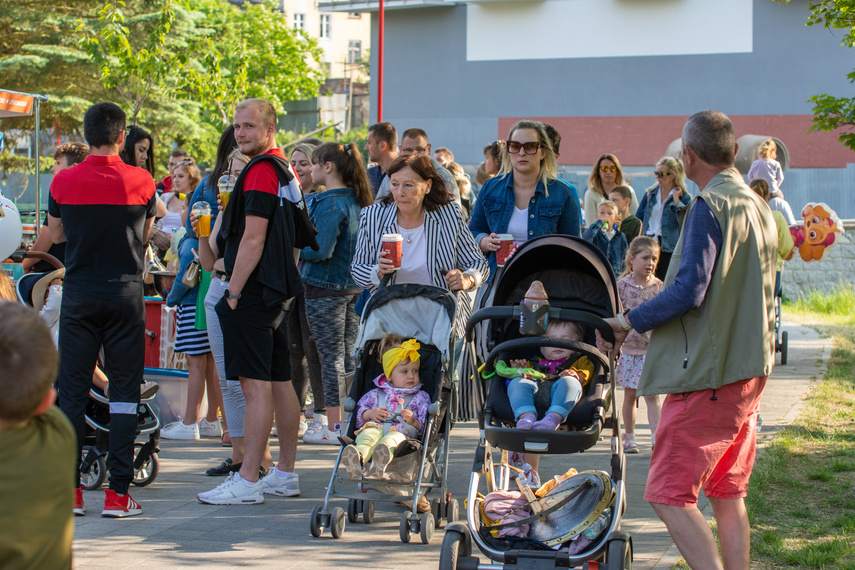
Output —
<point x="78" y="502"/>
<point x="550" y="422"/>
<point x="629" y="445"/>
<point x="351" y="460"/>
<point x="148" y="390"/>
<point x="119" y="506"/>
<point x="531" y="476"/>
<point x="380" y="459"/>
<point x="526" y="421"/>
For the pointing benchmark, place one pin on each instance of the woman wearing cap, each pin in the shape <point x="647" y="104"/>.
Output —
<point x="526" y="199"/>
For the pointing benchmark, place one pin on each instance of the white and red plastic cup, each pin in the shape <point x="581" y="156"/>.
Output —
<point x="392" y="244"/>
<point x="506" y="246"/>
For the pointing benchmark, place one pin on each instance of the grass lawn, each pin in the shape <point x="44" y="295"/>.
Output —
<point x="801" y="501"/>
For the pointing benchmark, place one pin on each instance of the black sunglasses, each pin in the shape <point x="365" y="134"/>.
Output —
<point x="529" y="147"/>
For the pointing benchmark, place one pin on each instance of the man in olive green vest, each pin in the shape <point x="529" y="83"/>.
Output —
<point x="711" y="350"/>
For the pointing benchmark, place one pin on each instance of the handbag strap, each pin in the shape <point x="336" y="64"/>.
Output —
<point x="563" y="501"/>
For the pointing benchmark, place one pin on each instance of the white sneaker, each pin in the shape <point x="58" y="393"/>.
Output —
<point x="287" y="485"/>
<point x="324" y="436"/>
<point x="318" y="421"/>
<point x="302" y="428"/>
<point x="210" y="429"/>
<point x="180" y="430"/>
<point x="234" y="491"/>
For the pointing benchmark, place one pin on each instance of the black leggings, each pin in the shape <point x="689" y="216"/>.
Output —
<point x="305" y="364"/>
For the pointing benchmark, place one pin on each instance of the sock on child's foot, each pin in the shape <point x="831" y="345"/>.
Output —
<point x="550" y="422"/>
<point x="526" y="421"/>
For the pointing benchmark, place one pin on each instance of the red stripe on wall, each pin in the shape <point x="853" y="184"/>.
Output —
<point x="642" y="141"/>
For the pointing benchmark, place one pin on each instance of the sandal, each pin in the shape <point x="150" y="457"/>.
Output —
<point x="227" y="440"/>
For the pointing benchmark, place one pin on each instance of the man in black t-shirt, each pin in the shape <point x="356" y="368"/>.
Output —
<point x="103" y="208"/>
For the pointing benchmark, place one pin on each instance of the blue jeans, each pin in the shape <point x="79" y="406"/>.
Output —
<point x="566" y="391"/>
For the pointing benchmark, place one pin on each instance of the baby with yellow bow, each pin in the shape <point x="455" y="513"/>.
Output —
<point x="390" y="413"/>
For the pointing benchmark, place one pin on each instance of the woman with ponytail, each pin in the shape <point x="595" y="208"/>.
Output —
<point x="331" y="291"/>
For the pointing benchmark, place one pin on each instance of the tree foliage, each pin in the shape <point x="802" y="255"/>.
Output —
<point x="177" y="67"/>
<point x="831" y="112"/>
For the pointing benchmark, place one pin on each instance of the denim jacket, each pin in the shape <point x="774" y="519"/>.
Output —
<point x="670" y="223"/>
<point x="335" y="214"/>
<point x="614" y="249"/>
<point x="552" y="212"/>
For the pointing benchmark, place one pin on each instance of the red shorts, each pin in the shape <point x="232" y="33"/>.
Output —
<point x="705" y="443"/>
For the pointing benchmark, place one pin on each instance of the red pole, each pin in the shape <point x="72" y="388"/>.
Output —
<point x="380" y="63"/>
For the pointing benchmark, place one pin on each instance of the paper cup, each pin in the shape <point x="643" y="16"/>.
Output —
<point x="392" y="244"/>
<point x="506" y="243"/>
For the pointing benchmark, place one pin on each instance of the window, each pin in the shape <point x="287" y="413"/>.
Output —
<point x="325" y="27"/>
<point x="354" y="51"/>
<point x="299" y="21"/>
<point x="354" y="15"/>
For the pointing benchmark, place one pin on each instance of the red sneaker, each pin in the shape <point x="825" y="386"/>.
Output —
<point x="118" y="506"/>
<point x="78" y="502"/>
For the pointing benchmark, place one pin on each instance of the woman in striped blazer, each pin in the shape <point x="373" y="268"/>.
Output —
<point x="438" y="248"/>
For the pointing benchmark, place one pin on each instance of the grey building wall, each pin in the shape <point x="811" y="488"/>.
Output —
<point x="429" y="83"/>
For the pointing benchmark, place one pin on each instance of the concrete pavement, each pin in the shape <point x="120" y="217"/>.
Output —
<point x="177" y="531"/>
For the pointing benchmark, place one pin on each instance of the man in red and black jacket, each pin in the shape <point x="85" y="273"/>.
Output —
<point x="263" y="225"/>
<point x="104" y="208"/>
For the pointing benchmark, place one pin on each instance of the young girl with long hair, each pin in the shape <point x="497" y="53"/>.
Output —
<point x="331" y="291"/>
<point x="637" y="285"/>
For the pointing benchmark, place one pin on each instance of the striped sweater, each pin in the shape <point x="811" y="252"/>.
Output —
<point x="450" y="246"/>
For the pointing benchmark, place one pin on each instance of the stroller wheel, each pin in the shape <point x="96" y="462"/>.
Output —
<point x="337" y="522"/>
<point x="352" y="510"/>
<point x="146" y="473"/>
<point x="436" y="510"/>
<point x="619" y="555"/>
<point x="315" y="522"/>
<point x="452" y="542"/>
<point x="428" y="524"/>
<point x="404" y="528"/>
<point x="368" y="512"/>
<point x="93" y="470"/>
<point x="452" y="511"/>
<point x="784" y="339"/>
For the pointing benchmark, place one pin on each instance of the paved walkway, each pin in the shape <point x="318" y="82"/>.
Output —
<point x="177" y="531"/>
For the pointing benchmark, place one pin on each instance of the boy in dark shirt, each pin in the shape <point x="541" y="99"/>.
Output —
<point x="630" y="226"/>
<point x="608" y="239"/>
<point x="37" y="527"/>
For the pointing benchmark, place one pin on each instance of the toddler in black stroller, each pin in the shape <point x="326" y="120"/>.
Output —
<point x="573" y="519"/>
<point x="395" y="446"/>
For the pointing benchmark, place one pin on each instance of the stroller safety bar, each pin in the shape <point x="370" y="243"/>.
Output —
<point x="539" y="341"/>
<point x="513" y="312"/>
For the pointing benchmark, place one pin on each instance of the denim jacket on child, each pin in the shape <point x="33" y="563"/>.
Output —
<point x="335" y="214"/>
<point x="614" y="249"/>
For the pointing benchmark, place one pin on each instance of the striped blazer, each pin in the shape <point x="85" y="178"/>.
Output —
<point x="450" y="246"/>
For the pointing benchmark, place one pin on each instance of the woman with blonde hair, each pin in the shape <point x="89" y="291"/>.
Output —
<point x="659" y="206"/>
<point x="526" y="199"/>
<point x="606" y="174"/>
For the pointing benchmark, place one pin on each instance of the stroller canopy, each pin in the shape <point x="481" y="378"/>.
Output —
<point x="575" y="274"/>
<point x="421" y="312"/>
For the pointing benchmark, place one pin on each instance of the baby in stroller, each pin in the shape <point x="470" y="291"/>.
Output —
<point x="569" y="378"/>
<point x="387" y="415"/>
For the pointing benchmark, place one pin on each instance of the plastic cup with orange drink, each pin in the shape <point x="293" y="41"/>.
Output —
<point x="202" y="211"/>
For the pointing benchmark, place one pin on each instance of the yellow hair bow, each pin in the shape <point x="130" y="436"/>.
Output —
<point x="391" y="358"/>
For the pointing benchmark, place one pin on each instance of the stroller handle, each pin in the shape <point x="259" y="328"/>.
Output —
<point x="45" y="256"/>
<point x="539" y="341"/>
<point x="513" y="312"/>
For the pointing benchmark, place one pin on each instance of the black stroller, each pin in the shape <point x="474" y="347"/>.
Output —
<point x="581" y="288"/>
<point x="94" y="463"/>
<point x="419" y="466"/>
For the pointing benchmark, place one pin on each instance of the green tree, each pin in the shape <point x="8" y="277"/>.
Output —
<point x="831" y="112"/>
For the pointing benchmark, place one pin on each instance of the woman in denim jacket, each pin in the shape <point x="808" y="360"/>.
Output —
<point x="659" y="206"/>
<point x="526" y="199"/>
<point x="331" y="291"/>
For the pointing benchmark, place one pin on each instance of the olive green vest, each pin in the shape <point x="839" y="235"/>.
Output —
<point x="730" y="337"/>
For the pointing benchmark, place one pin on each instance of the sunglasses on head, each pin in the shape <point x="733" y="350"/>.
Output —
<point x="185" y="162"/>
<point x="611" y="168"/>
<point x="660" y="174"/>
<point x="514" y="147"/>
